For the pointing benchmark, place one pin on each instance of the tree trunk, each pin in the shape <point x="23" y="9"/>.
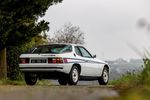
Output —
<point x="3" y="64"/>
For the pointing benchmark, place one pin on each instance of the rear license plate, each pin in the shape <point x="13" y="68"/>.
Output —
<point x="38" y="61"/>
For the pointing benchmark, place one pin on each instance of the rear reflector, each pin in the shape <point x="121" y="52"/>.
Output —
<point x="65" y="60"/>
<point x="55" y="60"/>
<point x="24" y="60"/>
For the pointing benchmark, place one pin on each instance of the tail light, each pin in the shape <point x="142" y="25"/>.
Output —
<point x="24" y="60"/>
<point x="55" y="60"/>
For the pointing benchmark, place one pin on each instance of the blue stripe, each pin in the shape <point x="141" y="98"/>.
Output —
<point x="84" y="61"/>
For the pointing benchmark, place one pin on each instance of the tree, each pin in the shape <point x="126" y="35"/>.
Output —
<point x="68" y="34"/>
<point x="18" y="24"/>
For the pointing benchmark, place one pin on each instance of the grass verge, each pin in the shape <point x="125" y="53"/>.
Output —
<point x="22" y="82"/>
<point x="11" y="82"/>
<point x="134" y="86"/>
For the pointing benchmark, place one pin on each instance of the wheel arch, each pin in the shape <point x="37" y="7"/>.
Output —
<point x="78" y="66"/>
<point x="102" y="69"/>
<point x="102" y="79"/>
<point x="106" y="66"/>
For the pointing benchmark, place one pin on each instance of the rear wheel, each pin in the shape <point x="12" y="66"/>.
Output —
<point x="73" y="76"/>
<point x="62" y="81"/>
<point x="30" y="79"/>
<point x="103" y="80"/>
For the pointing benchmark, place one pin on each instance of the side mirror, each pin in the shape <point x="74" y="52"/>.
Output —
<point x="94" y="56"/>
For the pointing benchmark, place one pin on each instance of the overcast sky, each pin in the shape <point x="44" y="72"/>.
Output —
<point x="109" y="25"/>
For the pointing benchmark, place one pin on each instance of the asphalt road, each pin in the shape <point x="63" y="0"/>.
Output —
<point x="56" y="92"/>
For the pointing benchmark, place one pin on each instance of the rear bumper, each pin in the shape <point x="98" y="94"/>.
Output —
<point x="64" y="68"/>
<point x="49" y="75"/>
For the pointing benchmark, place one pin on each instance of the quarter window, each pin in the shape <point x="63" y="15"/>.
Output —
<point x="77" y="51"/>
<point x="84" y="52"/>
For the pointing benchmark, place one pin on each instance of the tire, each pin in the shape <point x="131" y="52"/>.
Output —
<point x="62" y="81"/>
<point x="30" y="79"/>
<point x="73" y="76"/>
<point x="103" y="80"/>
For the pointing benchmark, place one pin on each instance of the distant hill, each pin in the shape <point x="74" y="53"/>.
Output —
<point x="121" y="66"/>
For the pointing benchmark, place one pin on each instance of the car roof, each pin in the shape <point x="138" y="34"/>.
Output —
<point x="63" y="44"/>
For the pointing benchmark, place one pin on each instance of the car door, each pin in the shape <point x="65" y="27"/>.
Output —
<point x="91" y="67"/>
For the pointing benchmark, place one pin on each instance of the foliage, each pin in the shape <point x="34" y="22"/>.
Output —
<point x="127" y="80"/>
<point x="40" y="39"/>
<point x="134" y="86"/>
<point x="145" y="75"/>
<point x="18" y="20"/>
<point x="142" y="93"/>
<point x="44" y="82"/>
<point x="19" y="25"/>
<point x="22" y="82"/>
<point x="14" y="53"/>
<point x="11" y="82"/>
<point x="133" y="80"/>
<point x="136" y="93"/>
<point x="68" y="34"/>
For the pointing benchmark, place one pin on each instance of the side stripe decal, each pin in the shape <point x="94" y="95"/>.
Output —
<point x="75" y="60"/>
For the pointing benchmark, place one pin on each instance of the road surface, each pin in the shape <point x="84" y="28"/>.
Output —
<point x="56" y="92"/>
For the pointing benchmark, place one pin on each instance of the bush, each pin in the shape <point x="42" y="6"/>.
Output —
<point x="129" y="79"/>
<point x="13" y="72"/>
<point x="145" y="75"/>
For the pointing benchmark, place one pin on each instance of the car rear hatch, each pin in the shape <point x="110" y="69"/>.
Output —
<point x="46" y="54"/>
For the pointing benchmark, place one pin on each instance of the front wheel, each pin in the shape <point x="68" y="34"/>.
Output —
<point x="30" y="79"/>
<point x="73" y="76"/>
<point x="103" y="80"/>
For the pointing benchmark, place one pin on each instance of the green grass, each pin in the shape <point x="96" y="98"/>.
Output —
<point x="22" y="82"/>
<point x="44" y="82"/>
<point x="136" y="93"/>
<point x="128" y="79"/>
<point x="131" y="79"/>
<point x="10" y="82"/>
<point x="133" y="86"/>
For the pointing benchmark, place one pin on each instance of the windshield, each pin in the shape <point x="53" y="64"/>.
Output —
<point x="55" y="49"/>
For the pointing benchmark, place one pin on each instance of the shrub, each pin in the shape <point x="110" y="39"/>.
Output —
<point x="129" y="79"/>
<point x="145" y="75"/>
<point x="13" y="54"/>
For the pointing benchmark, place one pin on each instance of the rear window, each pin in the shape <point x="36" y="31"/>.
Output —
<point x="55" y="49"/>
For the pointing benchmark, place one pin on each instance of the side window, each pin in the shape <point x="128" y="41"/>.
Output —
<point x="77" y="51"/>
<point x="85" y="53"/>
